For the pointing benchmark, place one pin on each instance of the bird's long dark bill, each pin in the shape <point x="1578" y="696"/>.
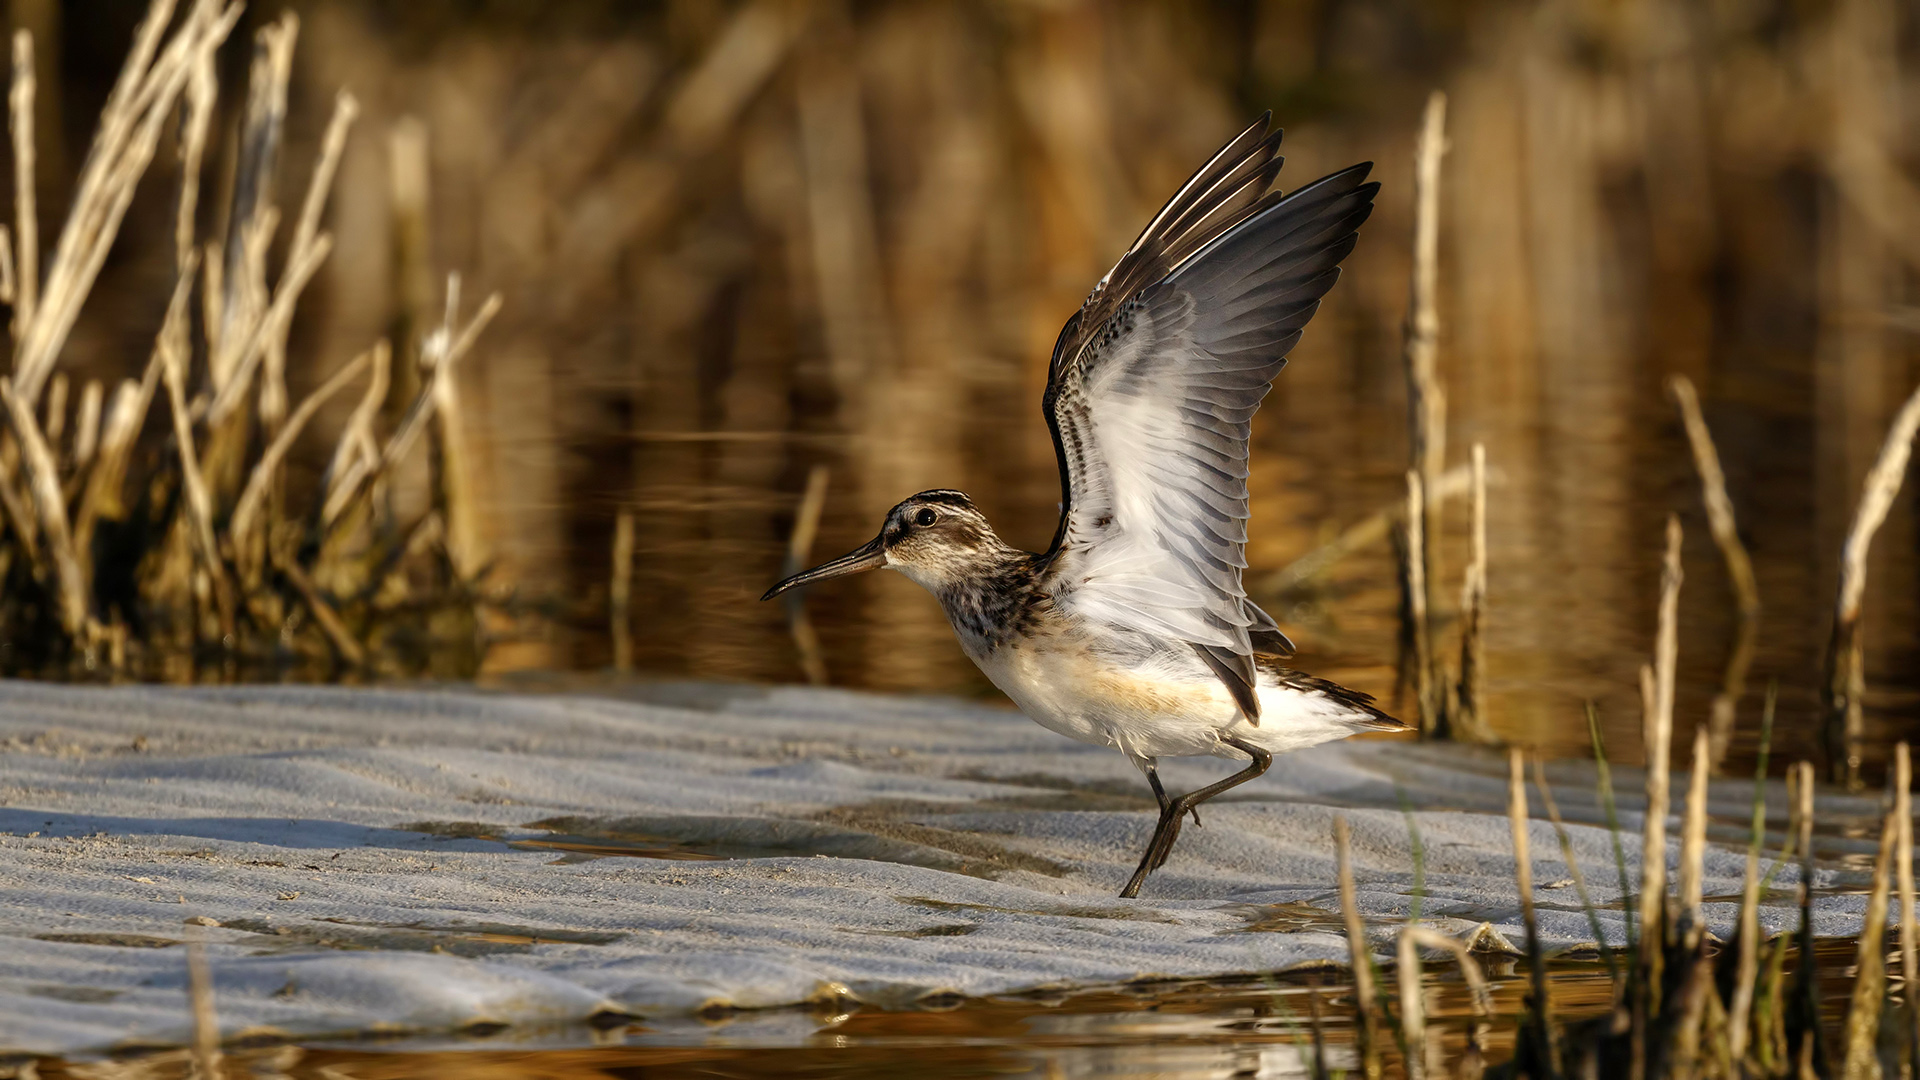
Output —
<point x="869" y="556"/>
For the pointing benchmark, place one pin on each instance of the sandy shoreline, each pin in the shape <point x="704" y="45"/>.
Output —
<point x="424" y="861"/>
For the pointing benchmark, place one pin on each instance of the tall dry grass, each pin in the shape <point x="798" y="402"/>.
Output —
<point x="1684" y="1003"/>
<point x="154" y="532"/>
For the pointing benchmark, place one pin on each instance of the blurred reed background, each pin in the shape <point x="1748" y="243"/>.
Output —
<point x="739" y="241"/>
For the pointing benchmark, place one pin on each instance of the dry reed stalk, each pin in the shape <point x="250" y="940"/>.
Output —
<point x="1539" y="1005"/>
<point x="1806" y="988"/>
<point x="117" y="645"/>
<point x="1426" y="398"/>
<point x="1469" y="721"/>
<point x="362" y="474"/>
<point x="306" y="231"/>
<point x="101" y="497"/>
<point x="306" y="235"/>
<point x="1413" y="586"/>
<point x="26" y="212"/>
<point x="1770" y="1038"/>
<point x="412" y="261"/>
<point x="202" y="97"/>
<point x="1909" y="945"/>
<point x="1667" y="638"/>
<point x="124" y="146"/>
<point x="236" y="296"/>
<point x="51" y="504"/>
<point x="1359" y="954"/>
<point x="173" y="372"/>
<point x="1845" y="678"/>
<point x="1657" y="696"/>
<point x="1650" y="954"/>
<point x="1479" y="993"/>
<point x="231" y="318"/>
<point x="329" y="621"/>
<point x="1362" y="534"/>
<point x="8" y="282"/>
<point x="1426" y="414"/>
<point x="448" y="464"/>
<point x="241" y="525"/>
<point x="86" y="424"/>
<point x="1430" y="1055"/>
<point x="130" y="128"/>
<point x="261" y="126"/>
<point x="1698" y="998"/>
<point x="357" y="447"/>
<point x="1870" y="964"/>
<point x="1420" y="1058"/>
<point x="55" y="424"/>
<point x="206" y="1025"/>
<point x="806" y="523"/>
<point x="1726" y="536"/>
<point x="1697" y="1008"/>
<point x="1747" y="965"/>
<point x="620" y="593"/>
<point x="271" y="326"/>
<point x="121" y="107"/>
<point x="1693" y="839"/>
<point x="174" y="356"/>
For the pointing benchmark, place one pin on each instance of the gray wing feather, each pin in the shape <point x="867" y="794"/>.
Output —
<point x="1152" y="409"/>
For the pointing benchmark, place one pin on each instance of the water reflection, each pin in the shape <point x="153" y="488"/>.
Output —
<point x="738" y="242"/>
<point x="1272" y="1026"/>
<point x="1571" y="598"/>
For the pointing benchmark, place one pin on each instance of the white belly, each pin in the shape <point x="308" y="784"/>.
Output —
<point x="1147" y="714"/>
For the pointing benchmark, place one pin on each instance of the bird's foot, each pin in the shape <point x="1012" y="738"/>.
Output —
<point x="1163" y="838"/>
<point x="1164" y="834"/>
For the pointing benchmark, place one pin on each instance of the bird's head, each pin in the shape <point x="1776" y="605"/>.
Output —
<point x="936" y="538"/>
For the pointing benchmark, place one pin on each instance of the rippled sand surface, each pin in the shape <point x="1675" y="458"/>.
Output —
<point x="428" y="863"/>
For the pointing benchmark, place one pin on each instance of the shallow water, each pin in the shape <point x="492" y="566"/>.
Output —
<point x="1254" y="1027"/>
<point x="1572" y="585"/>
<point x="1201" y="1029"/>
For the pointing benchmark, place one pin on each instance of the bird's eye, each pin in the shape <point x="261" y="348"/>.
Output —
<point x="924" y="518"/>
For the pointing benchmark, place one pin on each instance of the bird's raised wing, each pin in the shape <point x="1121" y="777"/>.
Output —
<point x="1153" y="387"/>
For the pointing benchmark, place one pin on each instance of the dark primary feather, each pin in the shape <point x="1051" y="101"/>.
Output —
<point x="1218" y="195"/>
<point x="1153" y="387"/>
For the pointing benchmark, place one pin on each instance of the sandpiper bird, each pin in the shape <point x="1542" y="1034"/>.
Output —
<point x="1132" y="629"/>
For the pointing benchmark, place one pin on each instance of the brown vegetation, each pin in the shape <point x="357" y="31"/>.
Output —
<point x="154" y="556"/>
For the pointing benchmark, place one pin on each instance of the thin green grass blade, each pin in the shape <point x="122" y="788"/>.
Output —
<point x="1573" y="867"/>
<point x="1758" y="839"/>
<point x="1605" y="783"/>
<point x="1418" y="848"/>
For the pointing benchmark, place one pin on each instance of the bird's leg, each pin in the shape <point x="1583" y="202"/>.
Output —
<point x="1160" y="793"/>
<point x="1168" y="827"/>
<point x="1171" y="812"/>
<point x="1191" y="800"/>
